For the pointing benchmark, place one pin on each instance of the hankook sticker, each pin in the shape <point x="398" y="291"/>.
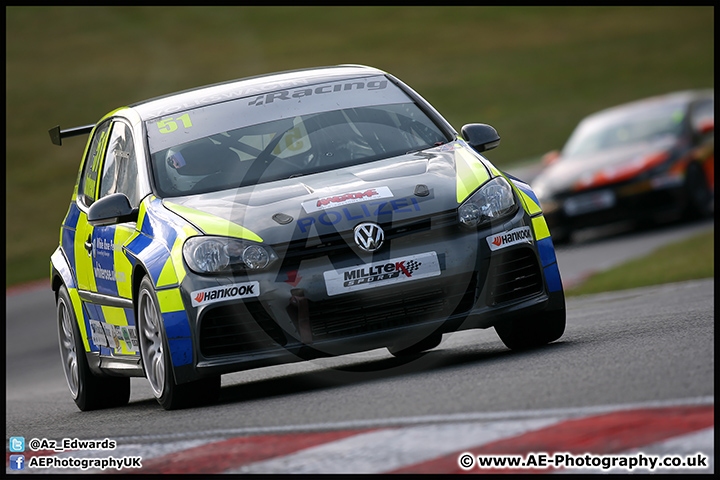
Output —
<point x="513" y="237"/>
<point x="225" y="292"/>
<point x="383" y="273"/>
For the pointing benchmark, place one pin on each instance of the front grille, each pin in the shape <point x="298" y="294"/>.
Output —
<point x="340" y="243"/>
<point x="238" y="328"/>
<point x="513" y="275"/>
<point x="383" y="310"/>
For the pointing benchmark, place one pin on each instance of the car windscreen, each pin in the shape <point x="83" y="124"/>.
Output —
<point x="286" y="133"/>
<point x="623" y="128"/>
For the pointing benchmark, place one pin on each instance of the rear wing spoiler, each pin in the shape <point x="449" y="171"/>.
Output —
<point x="56" y="135"/>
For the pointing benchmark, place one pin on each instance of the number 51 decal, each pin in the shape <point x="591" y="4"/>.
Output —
<point x="170" y="124"/>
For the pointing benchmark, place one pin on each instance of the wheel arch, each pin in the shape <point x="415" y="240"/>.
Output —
<point x="138" y="273"/>
<point x="181" y="373"/>
<point x="60" y="272"/>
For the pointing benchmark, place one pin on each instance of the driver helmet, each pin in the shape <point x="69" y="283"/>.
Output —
<point x="187" y="164"/>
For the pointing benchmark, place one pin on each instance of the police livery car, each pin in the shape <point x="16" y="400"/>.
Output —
<point x="287" y="217"/>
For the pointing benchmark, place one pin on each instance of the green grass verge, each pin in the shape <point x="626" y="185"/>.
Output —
<point x="532" y="72"/>
<point x="686" y="260"/>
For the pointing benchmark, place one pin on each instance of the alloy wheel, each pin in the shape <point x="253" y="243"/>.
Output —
<point x="153" y="352"/>
<point x="68" y="352"/>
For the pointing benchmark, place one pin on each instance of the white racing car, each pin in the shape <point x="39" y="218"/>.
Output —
<point x="287" y="217"/>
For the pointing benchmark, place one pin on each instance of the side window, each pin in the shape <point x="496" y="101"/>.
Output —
<point x="120" y="172"/>
<point x="89" y="179"/>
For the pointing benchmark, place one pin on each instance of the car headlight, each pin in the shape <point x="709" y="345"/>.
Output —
<point x="208" y="254"/>
<point x="493" y="200"/>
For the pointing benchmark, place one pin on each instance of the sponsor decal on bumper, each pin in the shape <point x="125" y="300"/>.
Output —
<point x="225" y="292"/>
<point x="379" y="274"/>
<point x="513" y="237"/>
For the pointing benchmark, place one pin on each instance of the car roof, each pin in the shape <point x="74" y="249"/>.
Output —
<point x="684" y="96"/>
<point x="244" y="87"/>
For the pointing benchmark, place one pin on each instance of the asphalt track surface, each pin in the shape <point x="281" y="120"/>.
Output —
<point x="633" y="375"/>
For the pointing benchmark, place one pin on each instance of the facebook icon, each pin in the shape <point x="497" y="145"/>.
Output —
<point x="17" y="462"/>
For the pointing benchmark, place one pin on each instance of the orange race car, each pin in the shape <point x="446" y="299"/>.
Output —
<point x="647" y="160"/>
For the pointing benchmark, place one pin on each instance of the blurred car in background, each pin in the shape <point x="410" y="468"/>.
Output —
<point x="648" y="160"/>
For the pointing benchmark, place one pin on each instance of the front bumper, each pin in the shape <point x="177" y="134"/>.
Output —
<point x="638" y="201"/>
<point x="295" y="316"/>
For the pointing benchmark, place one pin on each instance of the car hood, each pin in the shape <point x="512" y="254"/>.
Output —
<point x="386" y="191"/>
<point x="563" y="175"/>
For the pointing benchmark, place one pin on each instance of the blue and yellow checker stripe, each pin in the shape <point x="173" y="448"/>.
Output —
<point x="64" y="261"/>
<point x="472" y="171"/>
<point x="71" y="253"/>
<point x="157" y="244"/>
<point x="546" y="249"/>
<point x="59" y="261"/>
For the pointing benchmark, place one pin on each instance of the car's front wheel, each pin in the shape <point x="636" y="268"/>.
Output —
<point x="90" y="392"/>
<point x="533" y="331"/>
<point x="157" y="361"/>
<point x="698" y="193"/>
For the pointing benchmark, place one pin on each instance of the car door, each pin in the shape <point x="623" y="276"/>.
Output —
<point x="86" y="195"/>
<point x="111" y="268"/>
<point x="108" y="285"/>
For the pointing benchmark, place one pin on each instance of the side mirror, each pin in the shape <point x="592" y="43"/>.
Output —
<point x="480" y="136"/>
<point x="111" y="210"/>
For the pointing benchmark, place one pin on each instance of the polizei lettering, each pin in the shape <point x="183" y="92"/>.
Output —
<point x="223" y="293"/>
<point x="318" y="90"/>
<point x="513" y="237"/>
<point x="366" y="210"/>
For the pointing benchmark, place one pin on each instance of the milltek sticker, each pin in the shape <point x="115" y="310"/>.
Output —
<point x="379" y="274"/>
<point x="226" y="292"/>
<point x="513" y="237"/>
<point x="346" y="198"/>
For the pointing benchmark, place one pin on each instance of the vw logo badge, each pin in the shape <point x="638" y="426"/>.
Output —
<point x="369" y="236"/>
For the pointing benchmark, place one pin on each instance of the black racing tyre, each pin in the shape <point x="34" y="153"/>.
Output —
<point x="90" y="392"/>
<point x="157" y="362"/>
<point x="697" y="191"/>
<point x="533" y="331"/>
<point x="427" y="343"/>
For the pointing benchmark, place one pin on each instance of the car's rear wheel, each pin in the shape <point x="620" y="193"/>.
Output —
<point x="157" y="361"/>
<point x="90" y="392"/>
<point x="531" y="332"/>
